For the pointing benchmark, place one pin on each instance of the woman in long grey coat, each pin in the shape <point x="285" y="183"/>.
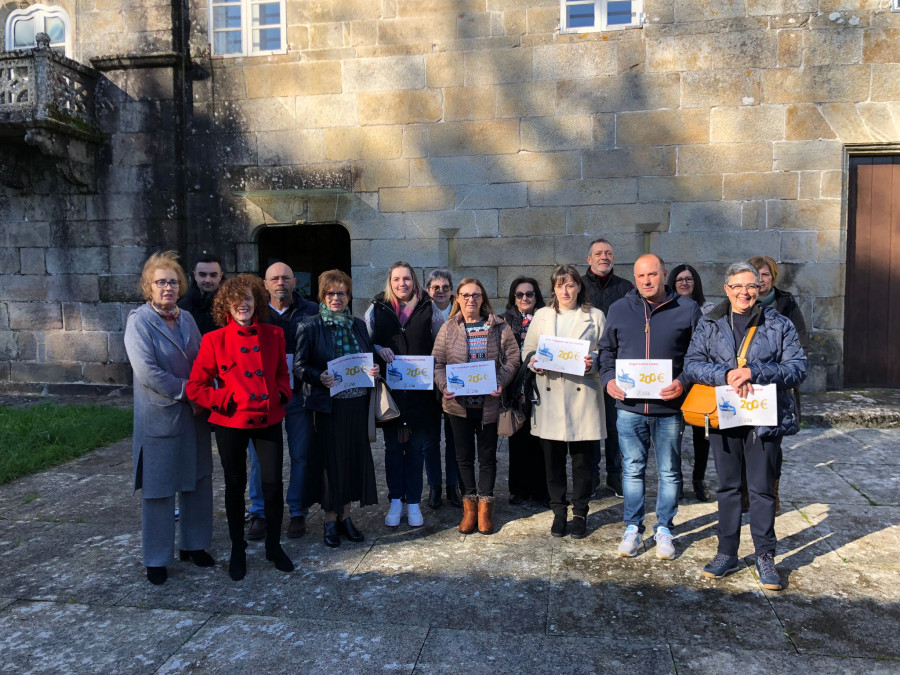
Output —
<point x="171" y="447"/>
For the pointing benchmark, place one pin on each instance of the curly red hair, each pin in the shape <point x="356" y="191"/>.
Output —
<point x="234" y="290"/>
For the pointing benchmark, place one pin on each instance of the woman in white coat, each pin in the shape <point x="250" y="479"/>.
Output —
<point x="569" y="418"/>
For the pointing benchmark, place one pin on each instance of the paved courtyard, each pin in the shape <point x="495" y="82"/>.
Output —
<point x="74" y="598"/>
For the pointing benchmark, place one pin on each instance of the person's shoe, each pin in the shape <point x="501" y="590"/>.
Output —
<point x="515" y="499"/>
<point x="614" y="483"/>
<point x="297" y="527"/>
<point x="434" y="497"/>
<point x="247" y="516"/>
<point x="768" y="575"/>
<point x="392" y="519"/>
<point x="558" y="528"/>
<point x="453" y="496"/>
<point x="777" y="498"/>
<point x="721" y="566"/>
<point x="200" y="558"/>
<point x="280" y="558"/>
<point x="332" y="536"/>
<point x="257" y="529"/>
<point x="631" y="542"/>
<point x="157" y="575"/>
<point x="700" y="491"/>
<point x="237" y="565"/>
<point x="485" y="515"/>
<point x="665" y="548"/>
<point x="414" y="515"/>
<point x="579" y="527"/>
<point x="470" y="514"/>
<point x="348" y="530"/>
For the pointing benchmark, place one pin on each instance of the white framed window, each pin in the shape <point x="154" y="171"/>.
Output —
<point x="590" y="16"/>
<point x="895" y="5"/>
<point x="247" y="27"/>
<point x="23" y="25"/>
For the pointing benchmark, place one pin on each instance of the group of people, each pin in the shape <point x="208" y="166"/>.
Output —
<point x="267" y="362"/>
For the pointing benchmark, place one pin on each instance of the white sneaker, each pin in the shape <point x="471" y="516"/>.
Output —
<point x="392" y="519"/>
<point x="665" y="548"/>
<point x="631" y="542"/>
<point x="414" y="515"/>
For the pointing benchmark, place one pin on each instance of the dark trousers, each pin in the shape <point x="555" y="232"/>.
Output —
<point x="433" y="454"/>
<point x="730" y="449"/>
<point x="527" y="468"/>
<point x="613" y="453"/>
<point x="466" y="434"/>
<point x="555" y="453"/>
<point x="701" y="453"/>
<point x="232" y="444"/>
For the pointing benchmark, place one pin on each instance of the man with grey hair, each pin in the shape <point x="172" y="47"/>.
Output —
<point x="439" y="286"/>
<point x="650" y="322"/>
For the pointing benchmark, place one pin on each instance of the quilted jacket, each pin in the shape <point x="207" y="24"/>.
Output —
<point x="774" y="357"/>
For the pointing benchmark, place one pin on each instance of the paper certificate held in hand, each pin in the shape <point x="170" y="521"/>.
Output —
<point x="562" y="355"/>
<point x="759" y="409"/>
<point x="351" y="371"/>
<point x="478" y="378"/>
<point x="411" y="372"/>
<point x="643" y="378"/>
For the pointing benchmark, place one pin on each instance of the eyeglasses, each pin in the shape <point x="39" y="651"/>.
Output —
<point x="524" y="294"/>
<point x="684" y="280"/>
<point x="470" y="296"/>
<point x="440" y="289"/>
<point x="750" y="288"/>
<point x="166" y="283"/>
<point x="335" y="294"/>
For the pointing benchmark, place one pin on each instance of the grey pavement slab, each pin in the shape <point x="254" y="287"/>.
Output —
<point x="753" y="659"/>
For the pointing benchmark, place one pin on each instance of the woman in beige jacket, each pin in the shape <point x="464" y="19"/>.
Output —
<point x="569" y="418"/>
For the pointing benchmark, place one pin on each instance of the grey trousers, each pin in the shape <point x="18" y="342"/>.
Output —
<point x="194" y="523"/>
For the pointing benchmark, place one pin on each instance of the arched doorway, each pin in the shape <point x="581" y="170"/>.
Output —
<point x="309" y="250"/>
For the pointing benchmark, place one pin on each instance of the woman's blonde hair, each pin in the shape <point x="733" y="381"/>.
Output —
<point x="486" y="309"/>
<point x="162" y="260"/>
<point x="389" y="295"/>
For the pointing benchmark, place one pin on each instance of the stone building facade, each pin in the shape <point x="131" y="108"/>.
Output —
<point x="470" y="134"/>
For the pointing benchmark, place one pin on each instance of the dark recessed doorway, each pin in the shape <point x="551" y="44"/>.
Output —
<point x="308" y="250"/>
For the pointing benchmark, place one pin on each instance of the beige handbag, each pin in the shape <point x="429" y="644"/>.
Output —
<point x="510" y="421"/>
<point x="382" y="407"/>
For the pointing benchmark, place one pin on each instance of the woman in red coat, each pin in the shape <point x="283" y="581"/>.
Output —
<point x="241" y="376"/>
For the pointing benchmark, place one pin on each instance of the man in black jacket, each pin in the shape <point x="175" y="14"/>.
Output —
<point x="198" y="300"/>
<point x="286" y="310"/>
<point x="650" y="322"/>
<point x="603" y="289"/>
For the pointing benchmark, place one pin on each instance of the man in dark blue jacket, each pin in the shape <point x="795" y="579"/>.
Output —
<point x="650" y="322"/>
<point x="286" y="310"/>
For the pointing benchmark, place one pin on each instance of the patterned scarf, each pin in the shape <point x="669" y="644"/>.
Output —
<point x="341" y="325"/>
<point x="403" y="312"/>
<point x="172" y="313"/>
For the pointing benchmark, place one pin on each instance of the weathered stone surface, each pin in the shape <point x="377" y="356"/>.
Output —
<point x="547" y="134"/>
<point x="679" y="53"/>
<point x="327" y="110"/>
<point x="276" y="148"/>
<point x="618" y="93"/>
<point x="805" y="121"/>
<point x="807" y="214"/>
<point x="577" y="193"/>
<point x="761" y="186"/>
<point x="748" y="123"/>
<point x="830" y="47"/>
<point x="445" y="69"/>
<point x="815" y="84"/>
<point x="405" y="107"/>
<point x="467" y="103"/>
<point x="724" y="158"/>
<point x="572" y="61"/>
<point x="398" y="72"/>
<point x="415" y="199"/>
<point x="602" y="220"/>
<point x="34" y="316"/>
<point x="474" y="138"/>
<point x="706" y="88"/>
<point x="885" y="84"/>
<point x="532" y="221"/>
<point x="680" y="188"/>
<point x="718" y="216"/>
<point x="533" y="166"/>
<point x="528" y="99"/>
<point x="629" y="162"/>
<point x="363" y="143"/>
<point x="293" y="79"/>
<point x="369" y="176"/>
<point x="492" y="196"/>
<point x="662" y="127"/>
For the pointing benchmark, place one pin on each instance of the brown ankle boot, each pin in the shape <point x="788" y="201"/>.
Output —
<point x="486" y="515"/>
<point x="777" y="498"/>
<point x="470" y="514"/>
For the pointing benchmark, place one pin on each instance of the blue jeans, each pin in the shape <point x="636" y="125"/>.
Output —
<point x="635" y="434"/>
<point x="298" y="423"/>
<point x="403" y="463"/>
<point x="433" y="455"/>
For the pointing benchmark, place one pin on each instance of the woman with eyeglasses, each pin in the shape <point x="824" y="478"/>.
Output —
<point x="570" y="418"/>
<point x="686" y="282"/>
<point x="341" y="469"/>
<point x="439" y="286"/>
<point x="774" y="356"/>
<point x="171" y="445"/>
<point x="241" y="375"/>
<point x="400" y="321"/>
<point x="474" y="333"/>
<point x="527" y="474"/>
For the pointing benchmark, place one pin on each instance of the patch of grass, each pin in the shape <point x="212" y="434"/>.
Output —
<point x="32" y="439"/>
<point x="30" y="497"/>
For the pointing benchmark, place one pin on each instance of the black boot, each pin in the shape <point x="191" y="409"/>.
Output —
<point x="558" y="528"/>
<point x="277" y="555"/>
<point x="453" y="496"/>
<point x="237" y="565"/>
<point x="348" y="530"/>
<point x="332" y="536"/>
<point x="200" y="558"/>
<point x="157" y="575"/>
<point x="434" y="496"/>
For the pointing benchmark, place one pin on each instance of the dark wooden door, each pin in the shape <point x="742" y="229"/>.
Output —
<point x="308" y="250"/>
<point x="872" y="303"/>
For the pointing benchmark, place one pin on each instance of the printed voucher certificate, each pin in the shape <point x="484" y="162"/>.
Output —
<point x="759" y="409"/>
<point x="643" y="378"/>
<point x="478" y="378"/>
<point x="563" y="355"/>
<point x="351" y="371"/>
<point x="411" y="372"/>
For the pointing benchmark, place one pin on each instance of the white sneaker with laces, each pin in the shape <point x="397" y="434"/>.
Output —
<point x="631" y="542"/>
<point x="392" y="519"/>
<point x="414" y="515"/>
<point x="665" y="548"/>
